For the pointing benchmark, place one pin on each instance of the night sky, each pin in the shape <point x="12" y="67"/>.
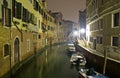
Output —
<point x="69" y="8"/>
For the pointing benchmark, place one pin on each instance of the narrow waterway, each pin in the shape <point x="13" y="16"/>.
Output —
<point x="53" y="62"/>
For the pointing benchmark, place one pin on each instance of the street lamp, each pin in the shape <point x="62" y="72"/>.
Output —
<point x="75" y="33"/>
<point x="82" y="31"/>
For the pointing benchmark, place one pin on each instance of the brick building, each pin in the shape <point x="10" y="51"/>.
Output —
<point x="25" y="27"/>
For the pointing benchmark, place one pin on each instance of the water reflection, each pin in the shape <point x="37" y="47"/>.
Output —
<point x="46" y="56"/>
<point x="51" y="63"/>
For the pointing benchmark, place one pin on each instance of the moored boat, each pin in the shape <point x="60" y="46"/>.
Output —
<point x="90" y="73"/>
<point x="77" y="59"/>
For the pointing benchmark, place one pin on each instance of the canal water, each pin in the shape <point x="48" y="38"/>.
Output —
<point x="53" y="62"/>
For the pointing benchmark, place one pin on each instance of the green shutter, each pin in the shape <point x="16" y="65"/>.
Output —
<point x="2" y="15"/>
<point x="19" y="5"/>
<point x="13" y="8"/>
<point x="9" y="17"/>
<point x="23" y="14"/>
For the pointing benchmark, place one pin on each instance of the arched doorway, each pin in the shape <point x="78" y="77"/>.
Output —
<point x="16" y="50"/>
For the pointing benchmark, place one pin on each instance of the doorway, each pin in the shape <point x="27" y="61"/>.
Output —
<point x="16" y="50"/>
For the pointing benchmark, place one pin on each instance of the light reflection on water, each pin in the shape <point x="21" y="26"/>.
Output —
<point x="51" y="63"/>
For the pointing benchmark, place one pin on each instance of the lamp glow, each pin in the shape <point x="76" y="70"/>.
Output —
<point x="75" y="33"/>
<point x="82" y="31"/>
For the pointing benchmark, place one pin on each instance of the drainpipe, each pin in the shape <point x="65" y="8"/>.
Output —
<point x="10" y="54"/>
<point x="15" y="23"/>
<point x="11" y="44"/>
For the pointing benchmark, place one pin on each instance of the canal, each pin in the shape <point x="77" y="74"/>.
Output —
<point x="52" y="62"/>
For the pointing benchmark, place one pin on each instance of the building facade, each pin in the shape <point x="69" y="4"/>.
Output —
<point x="71" y="30"/>
<point x="26" y="26"/>
<point x="59" y="28"/>
<point x="82" y="23"/>
<point x="103" y="24"/>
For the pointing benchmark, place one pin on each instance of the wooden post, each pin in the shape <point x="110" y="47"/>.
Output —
<point x="105" y="60"/>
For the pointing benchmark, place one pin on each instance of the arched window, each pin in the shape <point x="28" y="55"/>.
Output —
<point x="6" y="50"/>
<point x="16" y="50"/>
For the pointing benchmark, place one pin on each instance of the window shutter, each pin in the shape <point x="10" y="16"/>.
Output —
<point x="24" y="15"/>
<point x="36" y="5"/>
<point x="27" y="15"/>
<point x="9" y="17"/>
<point x="13" y="8"/>
<point x="19" y="5"/>
<point x="2" y="15"/>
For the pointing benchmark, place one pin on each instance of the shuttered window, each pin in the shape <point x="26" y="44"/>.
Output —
<point x="36" y="5"/>
<point x="26" y="16"/>
<point x="6" y="16"/>
<point x="13" y="8"/>
<point x="16" y="9"/>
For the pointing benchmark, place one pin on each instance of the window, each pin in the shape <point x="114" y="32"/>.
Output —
<point x="44" y="27"/>
<point x="39" y="8"/>
<point x="116" y="18"/>
<point x="91" y="39"/>
<point x="49" y="28"/>
<point x="28" y="45"/>
<point x="26" y="15"/>
<point x="101" y="23"/>
<point x="16" y="9"/>
<point x="35" y="20"/>
<point x="99" y="40"/>
<point x="52" y="28"/>
<point x="115" y="41"/>
<point x="6" y="50"/>
<point x="6" y="16"/>
<point x="39" y="23"/>
<point x="34" y="37"/>
<point x="60" y="23"/>
<point x="39" y="36"/>
<point x="31" y="17"/>
<point x="36" y="5"/>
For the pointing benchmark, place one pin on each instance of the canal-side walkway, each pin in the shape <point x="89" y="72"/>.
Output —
<point x="107" y="65"/>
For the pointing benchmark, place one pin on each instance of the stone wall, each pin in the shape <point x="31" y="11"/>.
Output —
<point x="96" y="61"/>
